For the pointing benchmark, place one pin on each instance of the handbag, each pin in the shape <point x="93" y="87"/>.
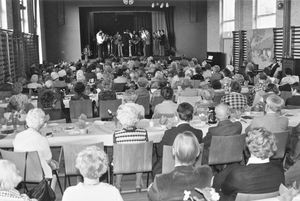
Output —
<point x="42" y="191"/>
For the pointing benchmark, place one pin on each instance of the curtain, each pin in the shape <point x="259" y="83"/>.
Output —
<point x="169" y="15"/>
<point x="159" y="21"/>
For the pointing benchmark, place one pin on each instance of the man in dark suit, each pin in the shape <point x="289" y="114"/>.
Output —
<point x="171" y="186"/>
<point x="185" y="113"/>
<point x="225" y="127"/>
<point x="273" y="66"/>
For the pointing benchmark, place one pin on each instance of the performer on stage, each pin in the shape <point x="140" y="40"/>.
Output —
<point x="162" y="43"/>
<point x="125" y="41"/>
<point x="145" y="35"/>
<point x="100" y="37"/>
<point x="119" y="44"/>
<point x="135" y="43"/>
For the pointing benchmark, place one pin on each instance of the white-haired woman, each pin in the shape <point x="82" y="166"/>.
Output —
<point x="9" y="179"/>
<point x="32" y="140"/>
<point x="184" y="177"/>
<point x="259" y="175"/>
<point x="92" y="163"/>
<point x="128" y="117"/>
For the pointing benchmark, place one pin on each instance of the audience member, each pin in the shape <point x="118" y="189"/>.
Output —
<point x="167" y="107"/>
<point x="9" y="180"/>
<point x="272" y="121"/>
<point x="128" y="117"/>
<point x="295" y="99"/>
<point x="79" y="90"/>
<point x="92" y="163"/>
<point x="184" y="177"/>
<point x="185" y="113"/>
<point x="259" y="175"/>
<point x="235" y="99"/>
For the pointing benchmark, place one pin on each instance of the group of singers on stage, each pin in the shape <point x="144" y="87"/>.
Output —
<point x="128" y="44"/>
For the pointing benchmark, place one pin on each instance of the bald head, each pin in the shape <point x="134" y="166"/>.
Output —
<point x="222" y="112"/>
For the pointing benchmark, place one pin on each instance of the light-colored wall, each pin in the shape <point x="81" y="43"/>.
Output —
<point x="213" y="26"/>
<point x="63" y="42"/>
<point x="190" y="36"/>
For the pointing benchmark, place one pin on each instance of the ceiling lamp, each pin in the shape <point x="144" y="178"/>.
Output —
<point x="160" y="4"/>
<point x="128" y="2"/>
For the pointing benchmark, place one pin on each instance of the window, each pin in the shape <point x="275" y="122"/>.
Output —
<point x="24" y="16"/>
<point x="264" y="13"/>
<point x="3" y="14"/>
<point x="228" y="15"/>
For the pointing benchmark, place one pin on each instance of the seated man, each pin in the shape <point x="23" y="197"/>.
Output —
<point x="235" y="99"/>
<point x="171" y="186"/>
<point x="185" y="113"/>
<point x="272" y="121"/>
<point x="225" y="127"/>
<point x="295" y="99"/>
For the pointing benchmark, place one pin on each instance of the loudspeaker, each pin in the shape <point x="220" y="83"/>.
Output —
<point x="293" y="64"/>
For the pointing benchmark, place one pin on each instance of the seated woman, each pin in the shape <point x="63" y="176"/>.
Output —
<point x="167" y="107"/>
<point x="22" y="100"/>
<point x="9" y="179"/>
<point x="187" y="89"/>
<point x="92" y="163"/>
<point x="129" y="98"/>
<point x="34" y="82"/>
<point x="79" y="90"/>
<point x="32" y="140"/>
<point x="171" y="186"/>
<point x="106" y="92"/>
<point x="128" y="117"/>
<point x="261" y="96"/>
<point x="259" y="175"/>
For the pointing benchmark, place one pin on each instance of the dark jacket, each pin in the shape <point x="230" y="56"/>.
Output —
<point x="171" y="186"/>
<point x="224" y="128"/>
<point x="169" y="138"/>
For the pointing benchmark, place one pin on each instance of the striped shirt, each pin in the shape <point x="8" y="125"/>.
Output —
<point x="132" y="135"/>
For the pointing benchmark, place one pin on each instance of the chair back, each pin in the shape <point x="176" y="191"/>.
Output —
<point x="218" y="96"/>
<point x="281" y="142"/>
<point x="112" y="105"/>
<point x="168" y="161"/>
<point x="132" y="158"/>
<point x="189" y="99"/>
<point x="250" y="197"/>
<point x="156" y="100"/>
<point x="159" y="115"/>
<point x="54" y="114"/>
<point x="118" y="87"/>
<point x="226" y="149"/>
<point x="145" y="102"/>
<point x="17" y="158"/>
<point x="34" y="170"/>
<point x="78" y="107"/>
<point x="70" y="152"/>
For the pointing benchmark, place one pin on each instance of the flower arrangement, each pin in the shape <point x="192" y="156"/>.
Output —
<point x="208" y="193"/>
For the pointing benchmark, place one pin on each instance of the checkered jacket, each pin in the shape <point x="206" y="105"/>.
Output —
<point x="235" y="100"/>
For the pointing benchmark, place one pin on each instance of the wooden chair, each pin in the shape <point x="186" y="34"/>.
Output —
<point x="112" y="105"/>
<point x="168" y="161"/>
<point x="31" y="162"/>
<point x="119" y="87"/>
<point x="79" y="107"/>
<point x="132" y="158"/>
<point x="250" y="197"/>
<point x="285" y="95"/>
<point x="70" y="152"/>
<point x="145" y="102"/>
<point x="54" y="114"/>
<point x="282" y="140"/>
<point x="218" y="96"/>
<point x="226" y="149"/>
<point x="189" y="99"/>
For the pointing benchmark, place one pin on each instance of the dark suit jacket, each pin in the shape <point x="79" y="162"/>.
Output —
<point x="224" y="128"/>
<point x="251" y="179"/>
<point x="169" y="138"/>
<point x="171" y="186"/>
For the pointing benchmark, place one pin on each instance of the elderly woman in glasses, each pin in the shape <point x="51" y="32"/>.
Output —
<point x="32" y="140"/>
<point x="9" y="179"/>
<point x="92" y="163"/>
<point x="128" y="116"/>
<point x="259" y="175"/>
<point x="185" y="176"/>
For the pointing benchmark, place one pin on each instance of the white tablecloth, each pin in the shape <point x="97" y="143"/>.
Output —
<point x="103" y="131"/>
